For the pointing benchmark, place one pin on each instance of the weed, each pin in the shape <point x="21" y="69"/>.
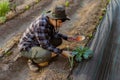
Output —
<point x="4" y="7"/>
<point x="100" y="17"/>
<point x="67" y="3"/>
<point x="27" y="7"/>
<point x="71" y="60"/>
<point x="2" y="19"/>
<point x="90" y="36"/>
<point x="37" y="1"/>
<point x="108" y="1"/>
<point x="8" y="53"/>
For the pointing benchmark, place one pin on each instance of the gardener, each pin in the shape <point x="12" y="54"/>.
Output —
<point x="39" y="42"/>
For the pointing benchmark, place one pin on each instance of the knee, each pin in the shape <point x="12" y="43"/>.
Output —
<point x="56" y="42"/>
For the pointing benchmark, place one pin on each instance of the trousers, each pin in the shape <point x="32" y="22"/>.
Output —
<point x="38" y="54"/>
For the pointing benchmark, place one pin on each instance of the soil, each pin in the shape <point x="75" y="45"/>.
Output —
<point x="84" y="16"/>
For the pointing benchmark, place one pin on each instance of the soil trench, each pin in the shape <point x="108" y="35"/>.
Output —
<point x="83" y="22"/>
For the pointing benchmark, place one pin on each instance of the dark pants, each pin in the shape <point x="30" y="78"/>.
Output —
<point x="38" y="54"/>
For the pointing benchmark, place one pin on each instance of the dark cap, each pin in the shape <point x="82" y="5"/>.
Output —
<point x="59" y="13"/>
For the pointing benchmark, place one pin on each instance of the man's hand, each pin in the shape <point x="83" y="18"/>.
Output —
<point x="71" y="39"/>
<point x="67" y="54"/>
<point x="77" y="38"/>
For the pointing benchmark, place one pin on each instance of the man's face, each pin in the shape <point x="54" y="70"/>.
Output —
<point x="59" y="23"/>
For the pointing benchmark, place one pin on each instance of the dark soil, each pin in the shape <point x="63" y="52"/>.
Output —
<point x="84" y="16"/>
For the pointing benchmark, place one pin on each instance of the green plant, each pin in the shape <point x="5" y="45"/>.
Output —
<point x="90" y="35"/>
<point x="108" y="1"/>
<point x="27" y="7"/>
<point x="67" y="3"/>
<point x="79" y="53"/>
<point x="37" y="1"/>
<point x="2" y="19"/>
<point x="71" y="60"/>
<point x="82" y="53"/>
<point x="100" y="17"/>
<point x="4" y="7"/>
<point x="104" y="9"/>
<point x="8" y="53"/>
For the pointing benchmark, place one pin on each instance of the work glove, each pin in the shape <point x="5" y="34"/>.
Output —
<point x="71" y="39"/>
<point x="67" y="54"/>
<point x="77" y="38"/>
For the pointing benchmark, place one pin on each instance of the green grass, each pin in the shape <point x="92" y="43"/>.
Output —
<point x="4" y="7"/>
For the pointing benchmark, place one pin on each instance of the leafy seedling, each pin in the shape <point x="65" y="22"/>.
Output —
<point x="81" y="53"/>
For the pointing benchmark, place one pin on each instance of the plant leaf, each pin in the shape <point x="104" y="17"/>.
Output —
<point x="87" y="54"/>
<point x="78" y="58"/>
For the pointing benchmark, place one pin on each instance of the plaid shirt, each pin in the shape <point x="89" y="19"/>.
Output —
<point x="38" y="34"/>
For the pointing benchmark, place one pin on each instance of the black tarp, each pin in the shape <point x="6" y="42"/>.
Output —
<point x="105" y="65"/>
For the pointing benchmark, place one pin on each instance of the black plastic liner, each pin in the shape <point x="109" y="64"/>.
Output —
<point x="105" y="65"/>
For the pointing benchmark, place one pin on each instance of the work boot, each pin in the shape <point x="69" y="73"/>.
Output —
<point x="33" y="66"/>
<point x="54" y="55"/>
<point x="43" y="64"/>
